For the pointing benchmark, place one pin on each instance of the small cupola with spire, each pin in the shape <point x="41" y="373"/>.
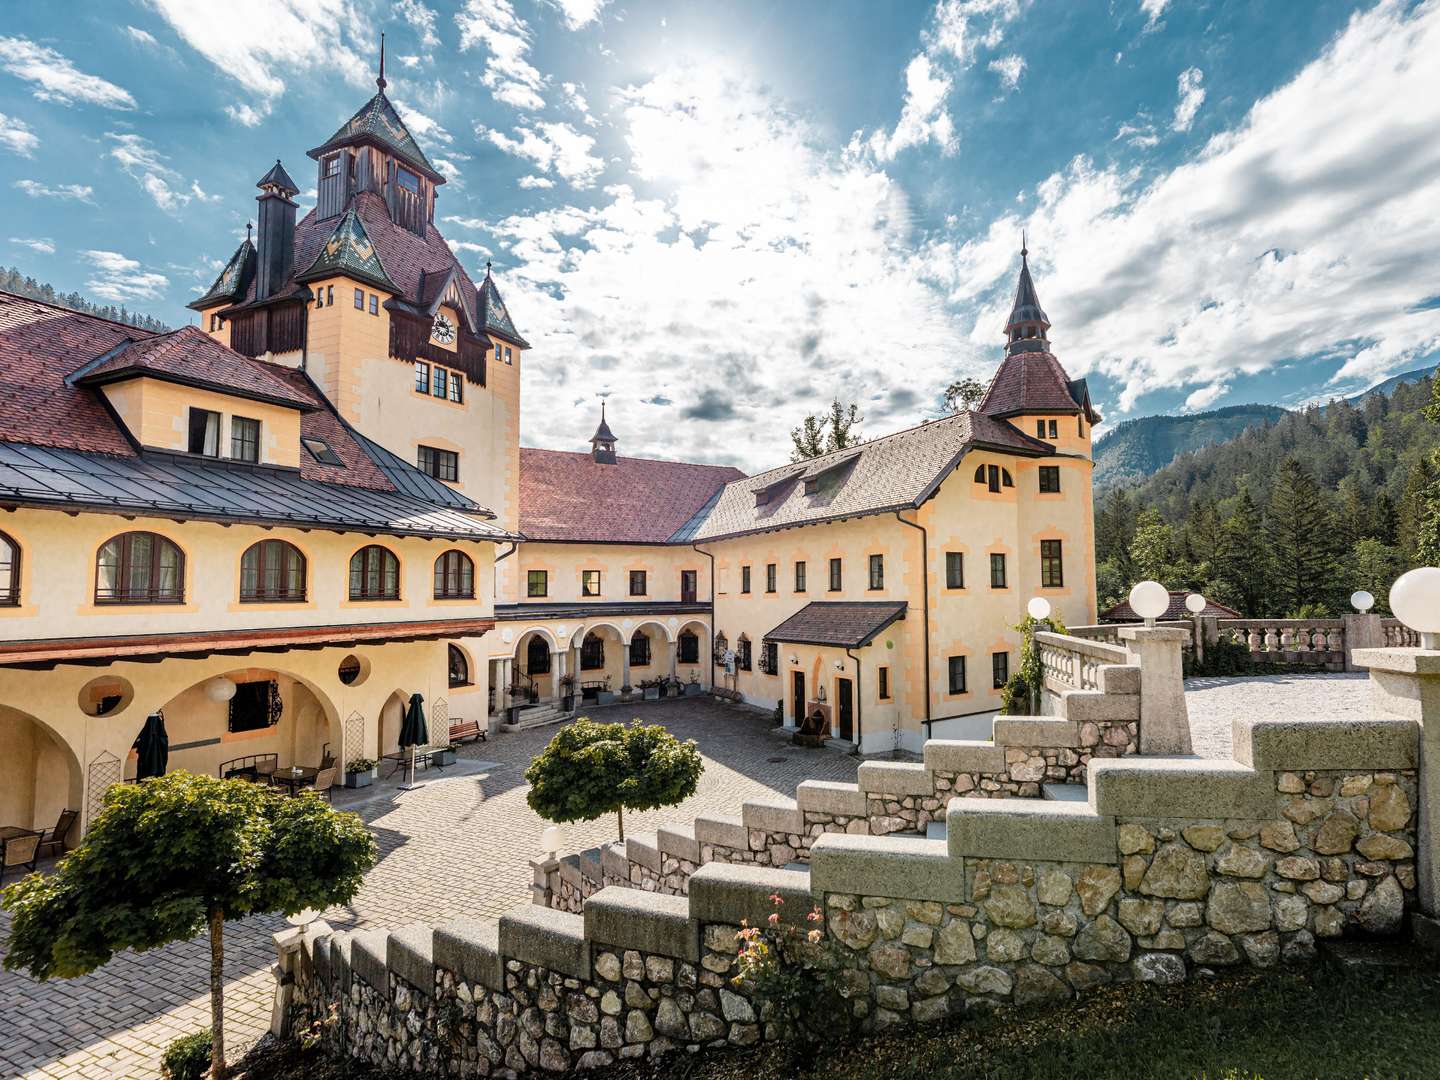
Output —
<point x="602" y="443"/>
<point x="1025" y="330"/>
<point x="275" y="246"/>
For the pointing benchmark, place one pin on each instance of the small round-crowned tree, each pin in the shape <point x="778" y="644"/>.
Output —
<point x="591" y="769"/>
<point x="171" y="856"/>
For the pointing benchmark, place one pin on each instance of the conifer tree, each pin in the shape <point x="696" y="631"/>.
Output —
<point x="1300" y="529"/>
<point x="1243" y="565"/>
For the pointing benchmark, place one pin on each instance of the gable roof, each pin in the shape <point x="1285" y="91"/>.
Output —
<point x="842" y="624"/>
<point x="1123" y="612"/>
<point x="1029" y="382"/>
<point x="192" y="357"/>
<point x="569" y="496"/>
<point x="494" y="316"/>
<point x="348" y="250"/>
<point x="233" y="280"/>
<point x="377" y="121"/>
<point x="896" y="472"/>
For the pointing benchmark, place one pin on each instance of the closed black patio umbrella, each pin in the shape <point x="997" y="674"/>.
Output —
<point x="153" y="748"/>
<point x="413" y="733"/>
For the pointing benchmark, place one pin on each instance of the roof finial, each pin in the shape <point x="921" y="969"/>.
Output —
<point x="248" y="227"/>
<point x="380" y="82"/>
<point x="487" y="274"/>
<point x="1024" y="251"/>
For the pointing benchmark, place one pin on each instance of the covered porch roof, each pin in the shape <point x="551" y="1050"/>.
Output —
<point x="838" y="623"/>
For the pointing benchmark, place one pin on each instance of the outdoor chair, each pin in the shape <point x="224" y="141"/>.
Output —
<point x="55" y="842"/>
<point x="325" y="783"/>
<point x="265" y="769"/>
<point x="21" y="851"/>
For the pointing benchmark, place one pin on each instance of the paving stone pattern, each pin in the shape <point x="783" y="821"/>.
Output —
<point x="458" y="846"/>
<point x="1214" y="703"/>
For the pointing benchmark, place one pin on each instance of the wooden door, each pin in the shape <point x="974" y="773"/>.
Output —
<point x="845" y="706"/>
<point x="797" y="697"/>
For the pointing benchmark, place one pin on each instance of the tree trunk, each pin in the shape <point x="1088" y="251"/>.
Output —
<point x="217" y="994"/>
<point x="620" y="820"/>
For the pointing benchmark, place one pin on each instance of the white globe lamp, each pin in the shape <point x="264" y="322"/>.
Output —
<point x="551" y="840"/>
<point x="303" y="917"/>
<point x="1362" y="601"/>
<point x="220" y="689"/>
<point x="1039" y="608"/>
<point x="1195" y="603"/>
<point x="1415" y="600"/>
<point x="1149" y="600"/>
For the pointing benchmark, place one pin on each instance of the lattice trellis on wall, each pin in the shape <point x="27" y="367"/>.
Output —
<point x="102" y="774"/>
<point x="354" y="733"/>
<point x="439" y="722"/>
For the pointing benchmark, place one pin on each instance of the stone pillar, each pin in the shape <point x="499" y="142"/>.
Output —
<point x="562" y="667"/>
<point x="1164" y="720"/>
<point x="1362" y="632"/>
<point x="1406" y="683"/>
<point x="545" y="879"/>
<point x="289" y="944"/>
<point x="674" y="654"/>
<point x="624" y="664"/>
<point x="557" y="668"/>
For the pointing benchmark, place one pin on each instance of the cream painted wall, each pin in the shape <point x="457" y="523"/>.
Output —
<point x="157" y="414"/>
<point x="565" y="563"/>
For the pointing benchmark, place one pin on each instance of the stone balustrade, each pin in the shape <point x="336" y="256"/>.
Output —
<point x="1074" y="663"/>
<point x="1170" y="866"/>
<point x="1396" y="635"/>
<point x="1313" y="642"/>
<point x="1109" y="633"/>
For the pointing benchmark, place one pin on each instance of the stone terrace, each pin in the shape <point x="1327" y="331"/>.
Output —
<point x="1213" y="703"/>
<point x="459" y="846"/>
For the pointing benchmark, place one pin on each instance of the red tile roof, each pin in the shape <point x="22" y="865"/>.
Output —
<point x="1028" y="382"/>
<point x="1123" y="612"/>
<point x="192" y="356"/>
<point x="569" y="496"/>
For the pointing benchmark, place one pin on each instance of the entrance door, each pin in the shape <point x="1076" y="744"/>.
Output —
<point x="845" y="704"/>
<point x="797" y="697"/>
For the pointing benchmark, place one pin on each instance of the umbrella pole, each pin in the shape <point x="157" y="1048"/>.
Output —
<point x="410" y="784"/>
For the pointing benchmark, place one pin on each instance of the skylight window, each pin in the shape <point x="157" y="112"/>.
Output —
<point x="320" y="451"/>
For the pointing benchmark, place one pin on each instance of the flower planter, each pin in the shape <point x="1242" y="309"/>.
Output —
<point x="605" y="697"/>
<point x="693" y="689"/>
<point x="442" y="757"/>
<point x="360" y="779"/>
<point x="652" y="693"/>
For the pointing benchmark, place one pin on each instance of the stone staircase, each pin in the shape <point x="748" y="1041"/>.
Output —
<point x="546" y="712"/>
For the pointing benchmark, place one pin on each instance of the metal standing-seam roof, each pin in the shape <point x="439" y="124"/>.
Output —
<point x="843" y="624"/>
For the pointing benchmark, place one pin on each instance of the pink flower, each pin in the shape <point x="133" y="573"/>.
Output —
<point x="775" y="919"/>
<point x="815" y="936"/>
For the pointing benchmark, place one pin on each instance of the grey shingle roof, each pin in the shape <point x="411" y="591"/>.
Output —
<point x="892" y="473"/>
<point x="843" y="624"/>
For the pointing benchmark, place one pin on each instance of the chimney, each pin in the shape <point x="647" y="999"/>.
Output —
<point x="275" y="243"/>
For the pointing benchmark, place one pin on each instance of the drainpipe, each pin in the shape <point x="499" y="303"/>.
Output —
<point x="925" y="598"/>
<point x="711" y="557"/>
<point x="859" y="701"/>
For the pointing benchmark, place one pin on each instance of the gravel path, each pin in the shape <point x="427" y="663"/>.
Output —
<point x="1214" y="703"/>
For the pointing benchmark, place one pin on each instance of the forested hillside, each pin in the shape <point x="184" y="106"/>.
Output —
<point x="1288" y="518"/>
<point x="13" y="281"/>
<point x="1137" y="448"/>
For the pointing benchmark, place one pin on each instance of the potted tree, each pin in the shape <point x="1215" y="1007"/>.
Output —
<point x="604" y="695"/>
<point x="692" y="685"/>
<point x="360" y="772"/>
<point x="650" y="688"/>
<point x="567" y="692"/>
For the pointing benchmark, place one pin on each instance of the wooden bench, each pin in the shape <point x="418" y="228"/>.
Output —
<point x="460" y="730"/>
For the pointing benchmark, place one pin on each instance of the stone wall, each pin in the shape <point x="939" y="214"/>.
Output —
<point x="1173" y="866"/>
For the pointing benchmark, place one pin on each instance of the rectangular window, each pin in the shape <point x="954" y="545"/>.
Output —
<point x="537" y="583"/>
<point x="744" y="579"/>
<point x="320" y="450"/>
<point x="359" y="299"/>
<point x="589" y="582"/>
<point x="640" y="650"/>
<point x="835" y="575"/>
<point x="457" y="392"/>
<point x="799" y="577"/>
<point x="244" y="438"/>
<point x="330" y="166"/>
<point x="441" y="464"/>
<point x="374" y="304"/>
<point x="1050" y="479"/>
<point x="770" y="577"/>
<point x="1054" y="429"/>
<point x="877" y="572"/>
<point x="997" y="571"/>
<point x="954" y="570"/>
<point x="205" y="432"/>
<point x="407" y="180"/>
<point x="992" y="474"/>
<point x="509" y="356"/>
<point x="214" y="322"/>
<point x="957" y="674"/>
<point x="770" y="658"/>
<point x="884" y="681"/>
<point x="637" y="582"/>
<point x="687" y="586"/>
<point x="999" y="669"/>
<point x="422" y="377"/>
<point x="1052" y="565"/>
<point x="329" y="295"/>
<point x="1039" y="429"/>
<point x="438" y="383"/>
<point x="742" y="654"/>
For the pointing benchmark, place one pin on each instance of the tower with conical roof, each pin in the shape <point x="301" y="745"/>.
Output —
<point x="602" y="443"/>
<point x="1028" y="324"/>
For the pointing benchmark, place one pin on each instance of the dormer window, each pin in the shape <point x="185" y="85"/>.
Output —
<point x="244" y="439"/>
<point x="407" y="180"/>
<point x="204" y="432"/>
<point x="320" y="451"/>
<point x="330" y="167"/>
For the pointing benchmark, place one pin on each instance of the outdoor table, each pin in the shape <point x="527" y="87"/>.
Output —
<point x="294" y="778"/>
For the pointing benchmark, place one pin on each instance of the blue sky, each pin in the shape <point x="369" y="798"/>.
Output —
<point x="719" y="216"/>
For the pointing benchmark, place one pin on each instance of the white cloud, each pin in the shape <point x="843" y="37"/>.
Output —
<point x="1153" y="9"/>
<point x="1142" y="134"/>
<point x="1206" y="396"/>
<point x="954" y="32"/>
<point x="575" y="98"/>
<point x="42" y="245"/>
<point x="421" y="18"/>
<point x="1009" y="68"/>
<point x="143" y="37"/>
<point x="1192" y="96"/>
<point x="1278" y="240"/>
<point x="470" y="247"/>
<point x="578" y="14"/>
<point x="117" y="278"/>
<point x="509" y="75"/>
<point x="56" y="79"/>
<point x="146" y="166"/>
<point x="16" y="136"/>
<point x="465" y="222"/>
<point x="554" y="147"/>
<point x="74" y="192"/>
<point x="533" y="182"/>
<point x="425" y="129"/>
<point x="247" y="115"/>
<point x="923" y="118"/>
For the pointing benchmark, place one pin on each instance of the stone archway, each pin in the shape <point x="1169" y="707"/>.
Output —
<point x="39" y="773"/>
<point x="392" y="718"/>
<point x="693" y="640"/>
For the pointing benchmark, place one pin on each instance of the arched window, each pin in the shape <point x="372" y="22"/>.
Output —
<point x="139" y="568"/>
<point x="979" y="474"/>
<point x="689" y="648"/>
<point x="721" y="644"/>
<point x="1006" y="479"/>
<point x="9" y="571"/>
<point x="459" y="666"/>
<point x="454" y="577"/>
<point x="537" y="656"/>
<point x="592" y="652"/>
<point x="640" y="649"/>
<point x="742" y="653"/>
<point x="374" y="574"/>
<point x="272" y="570"/>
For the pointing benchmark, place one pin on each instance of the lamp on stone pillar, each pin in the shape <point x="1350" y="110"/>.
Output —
<point x="1415" y="600"/>
<point x="1157" y="650"/>
<point x="1149" y="600"/>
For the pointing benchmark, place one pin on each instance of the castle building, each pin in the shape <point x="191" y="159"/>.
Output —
<point x="276" y="528"/>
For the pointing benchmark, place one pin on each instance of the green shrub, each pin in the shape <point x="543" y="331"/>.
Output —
<point x="1016" y="696"/>
<point x="188" y="1057"/>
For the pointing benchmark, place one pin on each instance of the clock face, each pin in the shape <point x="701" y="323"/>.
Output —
<point x="443" y="331"/>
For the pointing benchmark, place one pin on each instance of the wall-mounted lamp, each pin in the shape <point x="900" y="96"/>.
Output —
<point x="794" y="659"/>
<point x="820" y="695"/>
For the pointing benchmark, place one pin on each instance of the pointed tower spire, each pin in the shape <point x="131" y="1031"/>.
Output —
<point x="380" y="82"/>
<point x="602" y="443"/>
<point x="1025" y="329"/>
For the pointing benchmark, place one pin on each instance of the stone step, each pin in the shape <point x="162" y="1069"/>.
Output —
<point x="1065" y="792"/>
<point x="935" y="831"/>
<point x="643" y="848"/>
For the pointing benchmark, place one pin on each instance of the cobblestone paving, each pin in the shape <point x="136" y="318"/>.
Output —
<point x="1214" y="704"/>
<point x="460" y="845"/>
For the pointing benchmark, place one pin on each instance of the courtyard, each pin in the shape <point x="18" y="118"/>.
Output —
<point x="461" y="845"/>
